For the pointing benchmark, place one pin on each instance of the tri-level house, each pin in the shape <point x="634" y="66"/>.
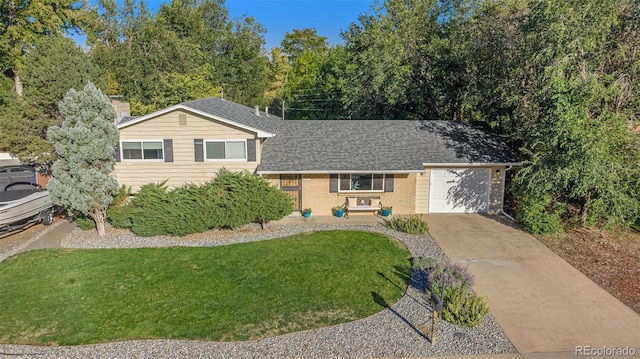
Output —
<point x="411" y="166"/>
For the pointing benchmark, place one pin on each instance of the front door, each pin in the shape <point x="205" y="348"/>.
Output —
<point x="292" y="185"/>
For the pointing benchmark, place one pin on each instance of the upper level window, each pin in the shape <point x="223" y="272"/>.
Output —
<point x="361" y="182"/>
<point x="142" y="150"/>
<point x="226" y="150"/>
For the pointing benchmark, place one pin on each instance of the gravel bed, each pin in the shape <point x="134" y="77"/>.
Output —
<point x="393" y="332"/>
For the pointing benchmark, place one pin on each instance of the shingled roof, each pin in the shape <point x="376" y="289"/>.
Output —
<point x="378" y="146"/>
<point x="219" y="109"/>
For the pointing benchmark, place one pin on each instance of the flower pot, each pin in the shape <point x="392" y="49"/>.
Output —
<point x="339" y="212"/>
<point x="386" y="212"/>
<point x="306" y="214"/>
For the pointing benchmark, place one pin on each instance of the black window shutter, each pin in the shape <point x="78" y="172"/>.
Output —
<point x="251" y="150"/>
<point x="168" y="150"/>
<point x="116" y="154"/>
<point x="199" y="150"/>
<point x="333" y="183"/>
<point x="388" y="183"/>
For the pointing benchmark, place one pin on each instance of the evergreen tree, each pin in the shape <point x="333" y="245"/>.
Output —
<point x="22" y="22"/>
<point x="54" y="65"/>
<point x="85" y="144"/>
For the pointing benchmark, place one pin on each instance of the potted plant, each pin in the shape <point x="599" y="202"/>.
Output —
<point x="386" y="211"/>
<point x="306" y="212"/>
<point x="338" y="211"/>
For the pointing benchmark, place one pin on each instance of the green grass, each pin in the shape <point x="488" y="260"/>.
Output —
<point x="236" y="292"/>
<point x="636" y="225"/>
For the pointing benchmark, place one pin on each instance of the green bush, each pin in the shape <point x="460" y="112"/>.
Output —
<point x="85" y="222"/>
<point x="155" y="211"/>
<point x="120" y="216"/>
<point x="423" y="263"/>
<point x="412" y="225"/>
<point x="245" y="198"/>
<point x="122" y="197"/>
<point x="461" y="305"/>
<point x="540" y="215"/>
<point x="229" y="201"/>
<point x="149" y="210"/>
<point x="118" y="212"/>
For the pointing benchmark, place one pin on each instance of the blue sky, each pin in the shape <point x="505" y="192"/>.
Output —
<point x="329" y="17"/>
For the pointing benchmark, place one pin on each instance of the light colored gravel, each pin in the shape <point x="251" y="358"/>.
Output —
<point x="394" y="332"/>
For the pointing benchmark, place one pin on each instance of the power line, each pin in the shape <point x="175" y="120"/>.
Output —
<point x="308" y="109"/>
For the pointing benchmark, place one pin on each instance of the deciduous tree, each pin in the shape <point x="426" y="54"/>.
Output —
<point x="580" y="149"/>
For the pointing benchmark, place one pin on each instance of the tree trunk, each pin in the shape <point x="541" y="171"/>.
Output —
<point x="18" y="82"/>
<point x="99" y="216"/>
<point x="584" y="213"/>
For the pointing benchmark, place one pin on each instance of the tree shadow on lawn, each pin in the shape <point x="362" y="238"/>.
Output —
<point x="383" y="303"/>
<point x="417" y="280"/>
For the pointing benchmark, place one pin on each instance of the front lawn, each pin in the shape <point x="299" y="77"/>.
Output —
<point x="235" y="292"/>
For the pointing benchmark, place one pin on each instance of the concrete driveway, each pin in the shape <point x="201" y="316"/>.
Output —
<point x="545" y="306"/>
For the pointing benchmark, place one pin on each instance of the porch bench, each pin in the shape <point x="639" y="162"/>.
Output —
<point x="362" y="204"/>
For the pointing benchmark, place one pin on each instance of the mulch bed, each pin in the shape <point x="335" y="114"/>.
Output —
<point x="612" y="260"/>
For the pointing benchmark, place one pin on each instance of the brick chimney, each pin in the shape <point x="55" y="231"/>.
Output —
<point x="122" y="108"/>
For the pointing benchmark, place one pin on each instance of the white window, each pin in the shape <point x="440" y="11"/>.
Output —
<point x="226" y="150"/>
<point x="142" y="150"/>
<point x="361" y="182"/>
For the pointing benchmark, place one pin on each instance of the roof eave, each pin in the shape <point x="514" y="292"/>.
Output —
<point x="259" y="133"/>
<point x="271" y="172"/>
<point x="473" y="164"/>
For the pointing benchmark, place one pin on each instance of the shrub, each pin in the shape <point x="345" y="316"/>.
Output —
<point x="540" y="215"/>
<point x="150" y="208"/>
<point x="423" y="263"/>
<point x="452" y="274"/>
<point x="120" y="216"/>
<point x="156" y="211"/>
<point x="461" y="305"/>
<point x="412" y="225"/>
<point x="122" y="197"/>
<point x="85" y="222"/>
<point x="118" y="212"/>
<point x="231" y="200"/>
<point x="244" y="198"/>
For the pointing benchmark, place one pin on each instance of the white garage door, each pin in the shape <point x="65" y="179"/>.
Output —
<point x="459" y="190"/>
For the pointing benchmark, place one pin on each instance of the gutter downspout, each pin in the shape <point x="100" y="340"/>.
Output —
<point x="504" y="176"/>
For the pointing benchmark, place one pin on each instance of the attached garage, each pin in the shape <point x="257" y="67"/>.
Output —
<point x="459" y="190"/>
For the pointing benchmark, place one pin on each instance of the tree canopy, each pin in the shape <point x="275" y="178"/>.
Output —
<point x="22" y="22"/>
<point x="47" y="77"/>
<point x="556" y="80"/>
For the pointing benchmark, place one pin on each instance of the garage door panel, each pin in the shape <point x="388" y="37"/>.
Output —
<point x="459" y="190"/>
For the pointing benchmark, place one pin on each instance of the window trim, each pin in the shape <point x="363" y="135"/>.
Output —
<point x="204" y="150"/>
<point x="384" y="176"/>
<point x="142" y="149"/>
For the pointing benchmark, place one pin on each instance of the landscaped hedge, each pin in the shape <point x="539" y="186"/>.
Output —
<point x="244" y="198"/>
<point x="230" y="200"/>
